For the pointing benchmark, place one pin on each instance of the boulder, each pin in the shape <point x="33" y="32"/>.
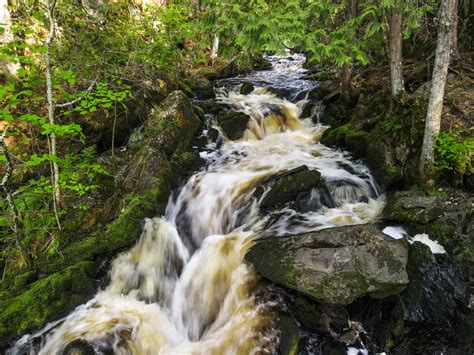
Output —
<point x="436" y="292"/>
<point x="170" y="128"/>
<point x="233" y="124"/>
<point x="201" y="87"/>
<point x="290" y="186"/>
<point x="413" y="207"/>
<point x="246" y="88"/>
<point x="334" y="266"/>
<point x="426" y="316"/>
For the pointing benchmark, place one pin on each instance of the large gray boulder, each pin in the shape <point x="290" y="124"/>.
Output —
<point x="334" y="266"/>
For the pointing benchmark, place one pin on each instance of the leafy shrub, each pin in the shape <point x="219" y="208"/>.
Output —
<point x="453" y="153"/>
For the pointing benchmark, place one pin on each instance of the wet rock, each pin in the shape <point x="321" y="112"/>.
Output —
<point x="318" y="93"/>
<point x="201" y="87"/>
<point x="288" y="186"/>
<point x="321" y="318"/>
<point x="246" y="88"/>
<point x="412" y="207"/>
<point x="436" y="292"/>
<point x="79" y="347"/>
<point x="333" y="347"/>
<point x="233" y="124"/>
<point x="260" y="63"/>
<point x="281" y="92"/>
<point x="214" y="108"/>
<point x="334" y="266"/>
<point x="289" y="334"/>
<point x="314" y="200"/>
<point x="423" y="318"/>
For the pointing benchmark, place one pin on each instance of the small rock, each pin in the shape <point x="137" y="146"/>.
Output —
<point x="246" y="88"/>
<point x="233" y="124"/>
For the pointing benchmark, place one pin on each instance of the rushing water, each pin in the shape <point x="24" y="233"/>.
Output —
<point x="184" y="288"/>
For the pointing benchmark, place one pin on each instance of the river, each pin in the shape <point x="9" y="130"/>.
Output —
<point x="184" y="288"/>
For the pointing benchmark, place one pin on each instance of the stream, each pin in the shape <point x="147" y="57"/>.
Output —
<point x="184" y="288"/>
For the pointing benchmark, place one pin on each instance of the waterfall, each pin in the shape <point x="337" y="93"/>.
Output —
<point x="184" y="287"/>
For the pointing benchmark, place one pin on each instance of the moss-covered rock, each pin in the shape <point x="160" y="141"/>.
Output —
<point x="289" y="337"/>
<point x="199" y="87"/>
<point x="45" y="300"/>
<point x="247" y="88"/>
<point x="233" y="124"/>
<point x="286" y="187"/>
<point x="334" y="266"/>
<point x="412" y="207"/>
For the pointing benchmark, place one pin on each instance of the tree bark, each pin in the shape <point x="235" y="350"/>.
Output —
<point x="454" y="38"/>
<point x="49" y="94"/>
<point x="215" y="49"/>
<point x="346" y="88"/>
<point x="396" y="44"/>
<point x="9" y="68"/>
<point x="438" y="82"/>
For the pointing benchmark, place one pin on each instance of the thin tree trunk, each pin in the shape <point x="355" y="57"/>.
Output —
<point x="438" y="82"/>
<point x="215" y="49"/>
<point x="454" y="38"/>
<point x="17" y="223"/>
<point x="396" y="44"/>
<point x="346" y="88"/>
<point x="9" y="68"/>
<point x="49" y="95"/>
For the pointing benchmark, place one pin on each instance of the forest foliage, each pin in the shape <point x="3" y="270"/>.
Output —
<point x="104" y="50"/>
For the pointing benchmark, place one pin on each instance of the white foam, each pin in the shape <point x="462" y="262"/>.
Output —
<point x="355" y="351"/>
<point x="395" y="232"/>
<point x="424" y="238"/>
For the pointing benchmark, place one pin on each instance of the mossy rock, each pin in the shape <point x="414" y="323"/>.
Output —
<point x="45" y="300"/>
<point x="289" y="334"/>
<point x="246" y="88"/>
<point x="412" y="207"/>
<point x="334" y="266"/>
<point x="286" y="187"/>
<point x="233" y="124"/>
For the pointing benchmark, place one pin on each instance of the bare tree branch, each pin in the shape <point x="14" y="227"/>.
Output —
<point x="72" y="102"/>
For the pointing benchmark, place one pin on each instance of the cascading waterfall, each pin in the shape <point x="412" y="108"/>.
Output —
<point x="184" y="288"/>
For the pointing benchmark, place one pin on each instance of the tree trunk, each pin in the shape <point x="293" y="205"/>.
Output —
<point x="49" y="94"/>
<point x="9" y="68"/>
<point x="396" y="42"/>
<point x="215" y="49"/>
<point x="438" y="82"/>
<point x="346" y="88"/>
<point x="454" y="38"/>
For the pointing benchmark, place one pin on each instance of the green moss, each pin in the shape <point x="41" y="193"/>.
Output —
<point x="47" y="299"/>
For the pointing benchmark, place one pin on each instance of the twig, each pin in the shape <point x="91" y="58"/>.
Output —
<point x="72" y="102"/>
